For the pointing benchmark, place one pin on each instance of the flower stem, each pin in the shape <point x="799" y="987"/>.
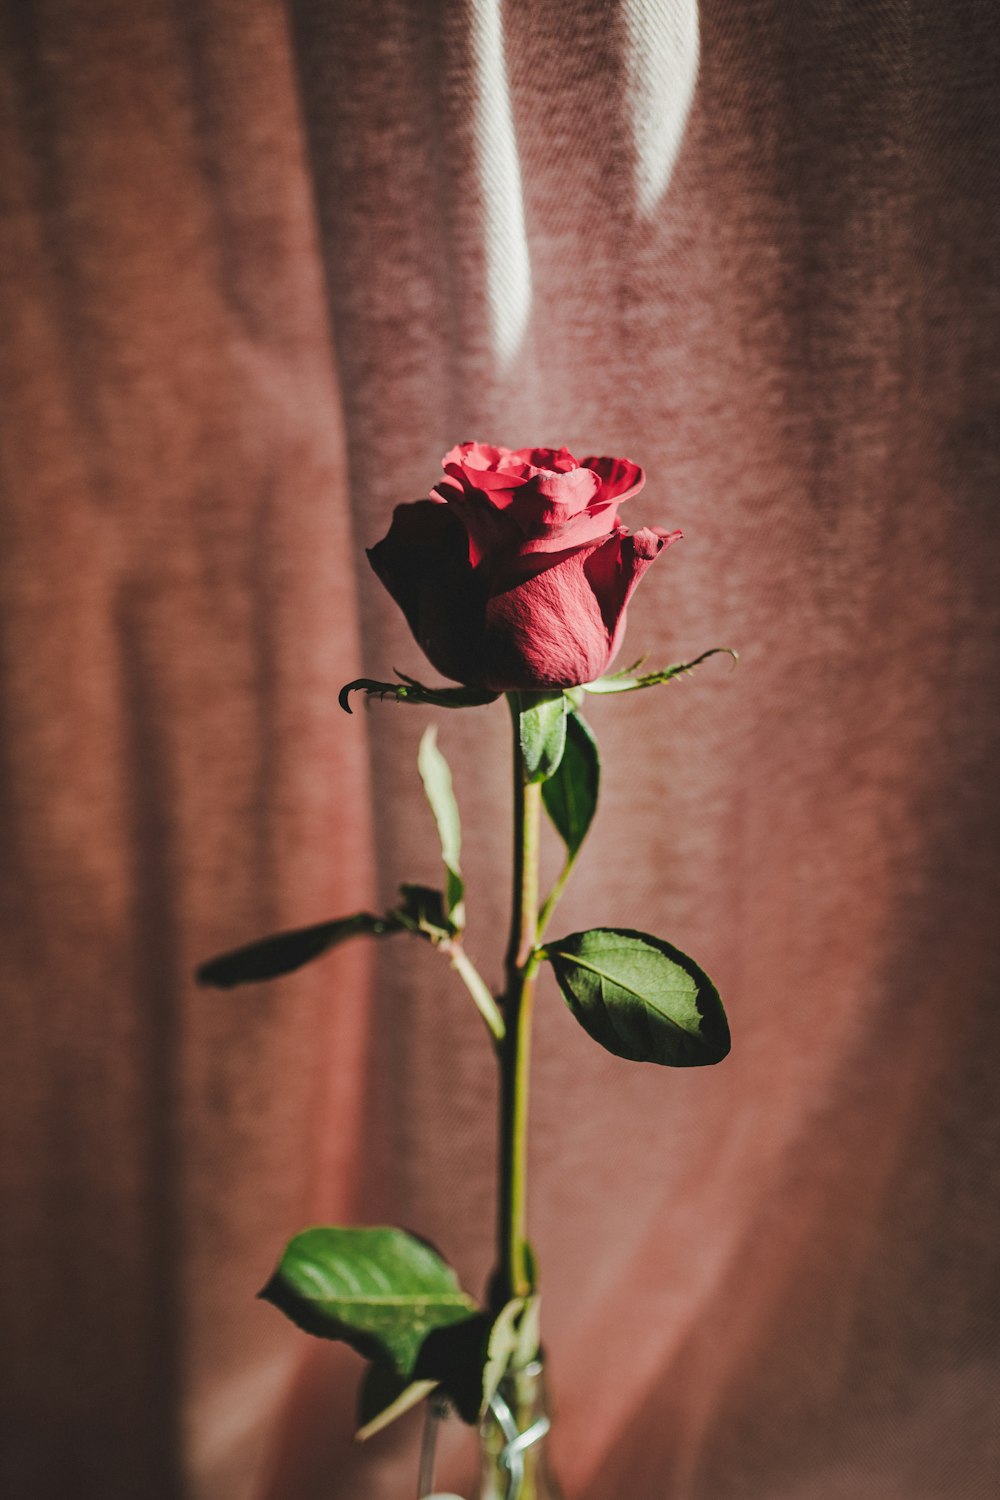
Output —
<point x="515" y="1272"/>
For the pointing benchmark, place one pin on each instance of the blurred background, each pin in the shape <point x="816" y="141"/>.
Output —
<point x="260" y="266"/>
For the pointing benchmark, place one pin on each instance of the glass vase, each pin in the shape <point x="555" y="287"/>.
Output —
<point x="514" y="1460"/>
<point x="514" y="1450"/>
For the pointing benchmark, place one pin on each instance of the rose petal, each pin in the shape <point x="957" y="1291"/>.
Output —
<point x="507" y="478"/>
<point x="620" y="477"/>
<point x="553" y="499"/>
<point x="559" y="460"/>
<point x="614" y="570"/>
<point x="547" y="630"/>
<point x="448" y="490"/>
<point x="477" y="455"/>
<point x="423" y="561"/>
<point x="590" y="525"/>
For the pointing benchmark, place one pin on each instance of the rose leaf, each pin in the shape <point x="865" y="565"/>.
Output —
<point x="422" y="911"/>
<point x="640" y="997"/>
<point x="284" y="952"/>
<point x="468" y="1360"/>
<point x="570" y="795"/>
<point x="436" y="776"/>
<point x="380" y="1290"/>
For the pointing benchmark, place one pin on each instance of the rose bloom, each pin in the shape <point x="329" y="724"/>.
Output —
<point x="516" y="573"/>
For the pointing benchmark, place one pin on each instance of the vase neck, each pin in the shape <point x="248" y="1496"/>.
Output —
<point x="514" y="1451"/>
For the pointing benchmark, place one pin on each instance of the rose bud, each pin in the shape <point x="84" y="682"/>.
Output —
<point x="516" y="573"/>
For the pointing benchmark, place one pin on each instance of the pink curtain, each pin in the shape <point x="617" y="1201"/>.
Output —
<point x="261" y="266"/>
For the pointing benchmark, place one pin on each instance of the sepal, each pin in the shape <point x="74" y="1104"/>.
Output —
<point x="624" y="682"/>
<point x="541" y="723"/>
<point x="408" y="690"/>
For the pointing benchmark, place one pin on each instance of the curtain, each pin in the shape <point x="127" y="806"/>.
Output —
<point x="262" y="265"/>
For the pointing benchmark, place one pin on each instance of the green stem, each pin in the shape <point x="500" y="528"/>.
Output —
<point x="514" y="1269"/>
<point x="477" y="987"/>
<point x="549" y="905"/>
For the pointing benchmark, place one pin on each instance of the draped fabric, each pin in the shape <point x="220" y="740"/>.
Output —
<point x="261" y="266"/>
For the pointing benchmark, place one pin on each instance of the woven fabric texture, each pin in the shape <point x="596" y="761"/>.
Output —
<point x="260" y="266"/>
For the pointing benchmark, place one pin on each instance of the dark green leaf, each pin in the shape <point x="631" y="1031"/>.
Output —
<point x="640" y="997"/>
<point x="454" y="1358"/>
<point x="622" y="682"/>
<point x="422" y="910"/>
<point x="436" y="776"/>
<point x="468" y="1360"/>
<point x="409" y="691"/>
<point x="384" y="1396"/>
<point x="542" y="730"/>
<point x="570" y="795"/>
<point x="284" y="952"/>
<point x="380" y="1290"/>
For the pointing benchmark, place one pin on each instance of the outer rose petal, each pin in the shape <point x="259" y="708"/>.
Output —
<point x="548" y="630"/>
<point x="615" y="569"/>
<point x="562" y="625"/>
<point x="424" y="563"/>
<point x="492" y="532"/>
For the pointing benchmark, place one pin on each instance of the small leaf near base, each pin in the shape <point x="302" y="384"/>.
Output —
<point x="380" y="1290"/>
<point x="470" y="1359"/>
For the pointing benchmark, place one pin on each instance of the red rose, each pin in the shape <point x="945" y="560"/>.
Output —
<point x="516" y="572"/>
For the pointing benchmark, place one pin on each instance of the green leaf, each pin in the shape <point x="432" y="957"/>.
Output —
<point x="436" y="776"/>
<point x="506" y="1341"/>
<point x="622" y="682"/>
<point x="542" y="730"/>
<point x="410" y="691"/>
<point x="468" y="1360"/>
<point x="529" y="1336"/>
<point x="384" y="1396"/>
<point x="380" y="1290"/>
<point x="284" y="952"/>
<point x="570" y="795"/>
<point x="422" y="910"/>
<point x="640" y="997"/>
